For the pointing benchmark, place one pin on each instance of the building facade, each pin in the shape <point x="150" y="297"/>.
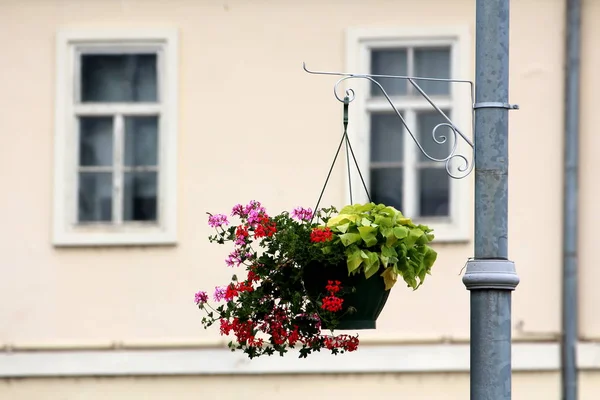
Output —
<point x="140" y="116"/>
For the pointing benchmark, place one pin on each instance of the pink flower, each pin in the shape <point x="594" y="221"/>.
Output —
<point x="302" y="214"/>
<point x="253" y="217"/>
<point x="256" y="206"/>
<point x="219" y="293"/>
<point x="200" y="298"/>
<point x="238" y="210"/>
<point x="217" y="220"/>
<point x="234" y="259"/>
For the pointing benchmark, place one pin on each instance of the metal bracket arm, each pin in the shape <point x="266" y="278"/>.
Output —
<point x="465" y="166"/>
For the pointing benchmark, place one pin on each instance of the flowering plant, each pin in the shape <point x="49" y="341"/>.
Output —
<point x="274" y="307"/>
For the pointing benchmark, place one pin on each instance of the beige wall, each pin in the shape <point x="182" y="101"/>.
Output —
<point x="434" y="387"/>
<point x="242" y="92"/>
<point x="414" y="387"/>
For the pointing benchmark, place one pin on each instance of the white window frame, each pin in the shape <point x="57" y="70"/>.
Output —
<point x="66" y="231"/>
<point x="359" y="42"/>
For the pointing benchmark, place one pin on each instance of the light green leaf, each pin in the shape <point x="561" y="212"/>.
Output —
<point x="401" y="232"/>
<point x="363" y="208"/>
<point x="390" y="212"/>
<point x="341" y="219"/>
<point x="408" y="273"/>
<point x="371" y="269"/>
<point x="372" y="257"/>
<point x="357" y="208"/>
<point x="404" y="221"/>
<point x="429" y="257"/>
<point x="391" y="240"/>
<point x="383" y="220"/>
<point x="343" y="228"/>
<point x="368" y="235"/>
<point x="384" y="260"/>
<point x="413" y="236"/>
<point x="349" y="238"/>
<point x="354" y="260"/>
<point x="388" y="251"/>
<point x="389" y="277"/>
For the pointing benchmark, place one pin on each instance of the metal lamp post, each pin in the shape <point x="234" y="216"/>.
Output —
<point x="490" y="276"/>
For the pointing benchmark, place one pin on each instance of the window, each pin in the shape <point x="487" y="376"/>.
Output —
<point x="395" y="171"/>
<point x="115" y="139"/>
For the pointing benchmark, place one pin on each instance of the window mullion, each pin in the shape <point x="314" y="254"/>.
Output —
<point x="410" y="70"/>
<point x="118" y="181"/>
<point x="410" y="171"/>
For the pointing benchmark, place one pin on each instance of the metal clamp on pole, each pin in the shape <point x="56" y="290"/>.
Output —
<point x="495" y="104"/>
<point x="490" y="274"/>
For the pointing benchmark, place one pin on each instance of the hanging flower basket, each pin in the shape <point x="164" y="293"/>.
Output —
<point x="305" y="273"/>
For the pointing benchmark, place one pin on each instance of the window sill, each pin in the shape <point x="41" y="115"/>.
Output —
<point x="156" y="237"/>
<point x="394" y="358"/>
<point x="447" y="232"/>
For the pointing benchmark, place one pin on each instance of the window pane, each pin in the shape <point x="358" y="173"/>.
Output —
<point x="95" y="196"/>
<point x="433" y="63"/>
<point x="426" y="122"/>
<point x="95" y="141"/>
<point x="389" y="62"/>
<point x="140" y="200"/>
<point x="387" y="187"/>
<point x="435" y="192"/>
<point x="111" y="78"/>
<point x="387" y="134"/>
<point x="141" y="141"/>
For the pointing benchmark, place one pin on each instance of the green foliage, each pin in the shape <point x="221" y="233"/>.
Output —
<point x="379" y="237"/>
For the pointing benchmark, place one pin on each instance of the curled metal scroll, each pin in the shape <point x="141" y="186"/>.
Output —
<point x="465" y="166"/>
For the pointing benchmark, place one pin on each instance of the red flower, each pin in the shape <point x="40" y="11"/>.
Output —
<point x="265" y="227"/>
<point x="241" y="231"/>
<point x="321" y="235"/>
<point x="225" y="326"/>
<point x="332" y="303"/>
<point x="345" y="342"/>
<point x="243" y="330"/>
<point x="255" y="342"/>
<point x="294" y="336"/>
<point x="333" y="287"/>
<point x="234" y="290"/>
<point x="253" y="276"/>
<point x="351" y="343"/>
<point x="231" y="292"/>
<point x="244" y="287"/>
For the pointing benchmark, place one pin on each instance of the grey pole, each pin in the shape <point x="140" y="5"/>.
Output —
<point x="490" y="276"/>
<point x="570" y="206"/>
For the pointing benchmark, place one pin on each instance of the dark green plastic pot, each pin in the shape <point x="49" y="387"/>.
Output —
<point x="368" y="298"/>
